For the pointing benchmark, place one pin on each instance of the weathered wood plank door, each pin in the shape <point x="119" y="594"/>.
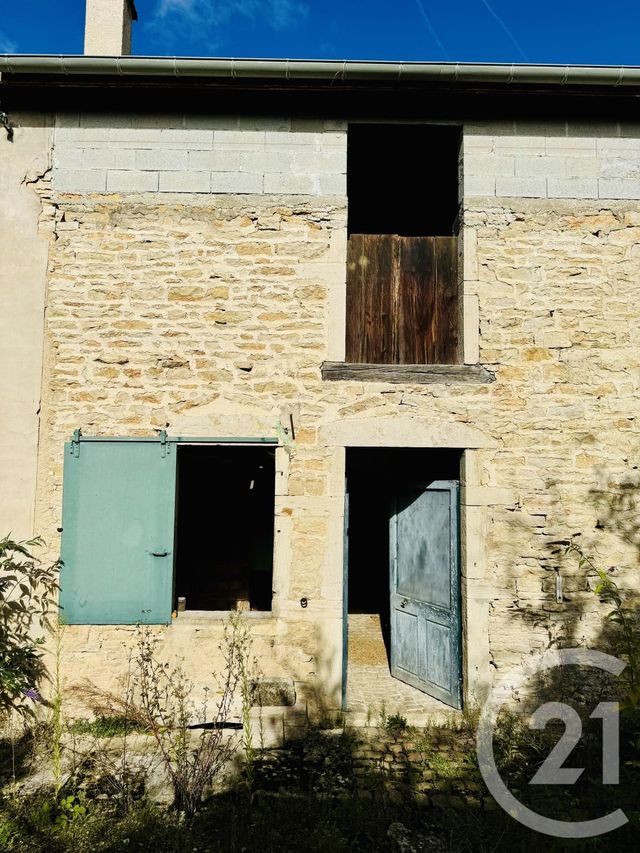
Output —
<point x="402" y="300"/>
<point x="371" y="298"/>
<point x="425" y="590"/>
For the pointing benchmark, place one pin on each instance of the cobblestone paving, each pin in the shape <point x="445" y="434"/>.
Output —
<point x="371" y="690"/>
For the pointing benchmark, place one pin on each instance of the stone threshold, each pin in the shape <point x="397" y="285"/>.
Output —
<point x="426" y="374"/>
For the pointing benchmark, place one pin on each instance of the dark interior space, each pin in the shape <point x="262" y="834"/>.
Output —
<point x="373" y="477"/>
<point x="224" y="527"/>
<point x="403" y="179"/>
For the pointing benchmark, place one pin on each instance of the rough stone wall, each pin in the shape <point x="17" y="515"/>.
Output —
<point x="559" y="323"/>
<point x="208" y="313"/>
<point x="207" y="318"/>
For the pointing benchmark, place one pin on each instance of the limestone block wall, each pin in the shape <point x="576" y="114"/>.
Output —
<point x="207" y="317"/>
<point x="210" y="314"/>
<point x="558" y="319"/>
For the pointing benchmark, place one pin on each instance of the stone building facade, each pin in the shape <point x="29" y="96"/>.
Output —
<point x="191" y="266"/>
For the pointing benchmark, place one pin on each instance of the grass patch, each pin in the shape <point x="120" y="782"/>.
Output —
<point x="107" y="727"/>
<point x="284" y="822"/>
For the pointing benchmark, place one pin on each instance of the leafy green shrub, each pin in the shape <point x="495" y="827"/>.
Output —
<point x="27" y="590"/>
<point x="63" y="810"/>
<point x="36" y="823"/>
<point x="395" y="724"/>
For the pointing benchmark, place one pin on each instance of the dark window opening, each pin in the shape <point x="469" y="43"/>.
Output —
<point x="224" y="530"/>
<point x="374" y="478"/>
<point x="403" y="179"/>
<point x="402" y="258"/>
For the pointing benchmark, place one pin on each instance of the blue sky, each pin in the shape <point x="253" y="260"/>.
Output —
<point x="571" y="31"/>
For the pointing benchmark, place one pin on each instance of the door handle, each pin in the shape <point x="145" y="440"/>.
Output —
<point x="404" y="603"/>
<point x="159" y="553"/>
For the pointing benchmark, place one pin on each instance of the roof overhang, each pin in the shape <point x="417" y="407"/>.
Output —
<point x="351" y="90"/>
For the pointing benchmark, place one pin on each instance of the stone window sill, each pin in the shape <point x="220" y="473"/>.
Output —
<point x="206" y="617"/>
<point x="425" y="374"/>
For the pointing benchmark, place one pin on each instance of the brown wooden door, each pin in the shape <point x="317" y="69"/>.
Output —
<point x="402" y="299"/>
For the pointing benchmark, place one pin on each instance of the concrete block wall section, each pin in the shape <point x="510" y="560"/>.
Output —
<point x="555" y="160"/>
<point x="214" y="154"/>
<point x="119" y="153"/>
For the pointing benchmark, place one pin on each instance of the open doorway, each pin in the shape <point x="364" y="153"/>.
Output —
<point x="224" y="528"/>
<point x="385" y="484"/>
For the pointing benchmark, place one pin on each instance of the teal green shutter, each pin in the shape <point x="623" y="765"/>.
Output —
<point x="118" y="532"/>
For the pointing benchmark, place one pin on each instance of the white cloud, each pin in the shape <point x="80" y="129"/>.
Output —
<point x="167" y="6"/>
<point x="202" y="18"/>
<point x="7" y="45"/>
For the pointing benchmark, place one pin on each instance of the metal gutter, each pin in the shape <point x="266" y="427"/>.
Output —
<point x="328" y="70"/>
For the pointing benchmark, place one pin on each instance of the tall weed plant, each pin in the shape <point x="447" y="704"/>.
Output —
<point x="192" y="761"/>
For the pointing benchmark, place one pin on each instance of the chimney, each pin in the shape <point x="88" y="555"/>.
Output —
<point x="107" y="30"/>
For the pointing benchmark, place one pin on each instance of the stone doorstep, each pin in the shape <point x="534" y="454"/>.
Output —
<point x="272" y="724"/>
<point x="274" y="692"/>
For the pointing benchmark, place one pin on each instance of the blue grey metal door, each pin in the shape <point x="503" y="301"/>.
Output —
<point x="425" y="590"/>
